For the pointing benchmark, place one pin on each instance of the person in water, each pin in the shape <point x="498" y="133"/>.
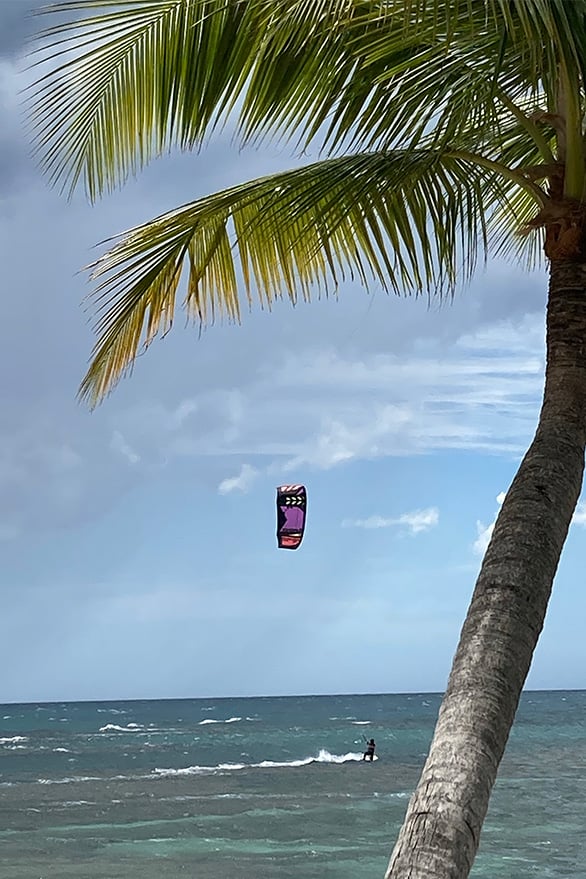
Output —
<point x="369" y="753"/>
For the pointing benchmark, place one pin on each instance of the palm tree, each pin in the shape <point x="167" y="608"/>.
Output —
<point x="449" y="129"/>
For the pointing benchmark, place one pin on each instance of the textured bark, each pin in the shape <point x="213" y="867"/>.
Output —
<point x="441" y="832"/>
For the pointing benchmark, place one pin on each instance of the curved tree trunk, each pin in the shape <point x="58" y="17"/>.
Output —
<point x="441" y="831"/>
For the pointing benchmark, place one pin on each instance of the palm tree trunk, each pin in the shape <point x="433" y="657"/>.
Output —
<point x="441" y="831"/>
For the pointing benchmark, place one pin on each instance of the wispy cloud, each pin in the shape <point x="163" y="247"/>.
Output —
<point x="482" y="394"/>
<point x="120" y="445"/>
<point x="415" y="522"/>
<point x="324" y="408"/>
<point x="242" y="482"/>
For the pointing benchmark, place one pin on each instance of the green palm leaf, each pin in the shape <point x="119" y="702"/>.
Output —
<point x="163" y="72"/>
<point x="406" y="221"/>
<point x="153" y="73"/>
<point x="141" y="82"/>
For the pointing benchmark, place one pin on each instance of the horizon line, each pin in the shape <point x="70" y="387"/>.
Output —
<point x="267" y="696"/>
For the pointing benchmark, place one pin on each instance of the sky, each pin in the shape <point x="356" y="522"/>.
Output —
<point x="138" y="554"/>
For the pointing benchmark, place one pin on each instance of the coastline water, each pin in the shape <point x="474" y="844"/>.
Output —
<point x="271" y="787"/>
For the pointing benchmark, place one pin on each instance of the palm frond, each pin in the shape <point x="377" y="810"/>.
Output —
<point x="455" y="67"/>
<point x="406" y="221"/>
<point x="510" y="233"/>
<point x="126" y="84"/>
<point x="143" y="75"/>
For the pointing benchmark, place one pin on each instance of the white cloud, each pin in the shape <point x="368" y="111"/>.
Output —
<point x="420" y="520"/>
<point x="242" y="482"/>
<point x="415" y="522"/>
<point x="485" y="531"/>
<point x="119" y="444"/>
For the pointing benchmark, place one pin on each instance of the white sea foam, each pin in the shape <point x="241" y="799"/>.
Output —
<point x="324" y="756"/>
<point x="70" y="780"/>
<point x="229" y="720"/>
<point x="12" y="740"/>
<point x="361" y="722"/>
<point x="113" y="727"/>
<point x="61" y="750"/>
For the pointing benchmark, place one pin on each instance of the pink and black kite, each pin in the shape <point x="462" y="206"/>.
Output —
<point x="291" y="510"/>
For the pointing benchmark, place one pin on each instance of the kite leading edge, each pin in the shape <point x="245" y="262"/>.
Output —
<point x="291" y="512"/>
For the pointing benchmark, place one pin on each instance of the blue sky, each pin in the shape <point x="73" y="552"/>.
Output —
<point x="137" y="543"/>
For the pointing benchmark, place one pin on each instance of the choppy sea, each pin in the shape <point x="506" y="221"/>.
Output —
<point x="269" y="787"/>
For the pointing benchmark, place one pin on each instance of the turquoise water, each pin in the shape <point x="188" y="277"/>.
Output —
<point x="269" y="787"/>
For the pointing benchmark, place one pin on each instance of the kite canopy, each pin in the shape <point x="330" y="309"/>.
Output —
<point x="291" y="511"/>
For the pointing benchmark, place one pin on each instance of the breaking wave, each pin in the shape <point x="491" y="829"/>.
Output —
<point x="113" y="727"/>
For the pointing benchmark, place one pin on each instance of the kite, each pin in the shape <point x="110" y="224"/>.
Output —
<point x="291" y="510"/>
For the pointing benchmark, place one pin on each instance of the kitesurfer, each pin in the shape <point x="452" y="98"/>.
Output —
<point x="369" y="753"/>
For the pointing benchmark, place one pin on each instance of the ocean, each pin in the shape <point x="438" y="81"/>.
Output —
<point x="269" y="787"/>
